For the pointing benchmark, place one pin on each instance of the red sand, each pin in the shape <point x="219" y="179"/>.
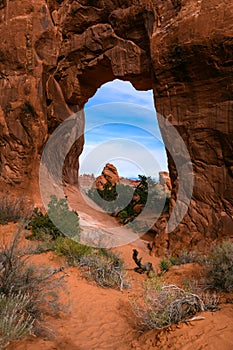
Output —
<point x="100" y="319"/>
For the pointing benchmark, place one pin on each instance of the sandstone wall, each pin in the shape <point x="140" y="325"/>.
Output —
<point x="54" y="55"/>
<point x="192" y="59"/>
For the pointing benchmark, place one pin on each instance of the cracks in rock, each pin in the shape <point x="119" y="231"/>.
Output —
<point x="177" y="4"/>
<point x="2" y="4"/>
<point x="123" y="23"/>
<point x="97" y="52"/>
<point x="80" y="17"/>
<point x="104" y="17"/>
<point x="88" y="57"/>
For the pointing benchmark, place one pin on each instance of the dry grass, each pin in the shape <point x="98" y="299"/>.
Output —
<point x="164" y="305"/>
<point x="15" y="321"/>
<point x="107" y="270"/>
<point x="27" y="292"/>
<point x="14" y="209"/>
<point x="220" y="267"/>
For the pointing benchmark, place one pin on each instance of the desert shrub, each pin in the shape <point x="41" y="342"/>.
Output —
<point x="210" y="300"/>
<point x="120" y="200"/>
<point x="13" y="209"/>
<point x="123" y="214"/>
<point x="72" y="250"/>
<point x="185" y="257"/>
<point x="42" y="227"/>
<point x="220" y="267"/>
<point x="65" y="219"/>
<point x="139" y="196"/>
<point x="27" y="292"/>
<point x="103" y="266"/>
<point x="57" y="222"/>
<point x="109" y="192"/>
<point x="164" y="265"/>
<point x="106" y="269"/>
<point x="164" y="305"/>
<point x="15" y="321"/>
<point x="111" y="200"/>
<point x="173" y="260"/>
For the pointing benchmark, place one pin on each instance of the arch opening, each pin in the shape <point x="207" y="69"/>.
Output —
<point x="123" y="140"/>
<point x="121" y="105"/>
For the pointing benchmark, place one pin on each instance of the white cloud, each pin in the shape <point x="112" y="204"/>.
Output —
<point x="122" y="128"/>
<point x="133" y="154"/>
<point x="121" y="91"/>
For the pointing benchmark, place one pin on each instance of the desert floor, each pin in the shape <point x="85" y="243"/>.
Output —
<point x="99" y="318"/>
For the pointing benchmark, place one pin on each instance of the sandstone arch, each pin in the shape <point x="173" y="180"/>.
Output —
<point x="58" y="52"/>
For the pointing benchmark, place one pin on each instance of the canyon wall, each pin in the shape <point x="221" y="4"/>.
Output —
<point x="54" y="55"/>
<point x="192" y="61"/>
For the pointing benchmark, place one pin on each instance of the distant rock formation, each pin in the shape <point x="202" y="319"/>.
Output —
<point x="86" y="181"/>
<point x="128" y="182"/>
<point x="109" y="175"/>
<point x="164" y="180"/>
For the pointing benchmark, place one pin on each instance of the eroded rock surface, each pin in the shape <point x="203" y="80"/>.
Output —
<point x="109" y="176"/>
<point x="192" y="61"/>
<point x="54" y="55"/>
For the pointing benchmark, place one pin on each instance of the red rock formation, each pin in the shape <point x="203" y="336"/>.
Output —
<point x="86" y="181"/>
<point x="109" y="175"/>
<point x="54" y="55"/>
<point x="164" y="180"/>
<point x="191" y="53"/>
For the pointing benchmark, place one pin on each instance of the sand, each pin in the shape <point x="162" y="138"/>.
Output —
<point x="99" y="318"/>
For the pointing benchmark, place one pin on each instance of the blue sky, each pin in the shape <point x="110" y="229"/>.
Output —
<point x="121" y="128"/>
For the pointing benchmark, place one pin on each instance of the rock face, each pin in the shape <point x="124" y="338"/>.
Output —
<point x="192" y="60"/>
<point x="55" y="54"/>
<point x="109" y="175"/>
<point x="164" y="180"/>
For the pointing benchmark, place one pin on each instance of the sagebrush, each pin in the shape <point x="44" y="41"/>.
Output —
<point x="14" y="209"/>
<point x="184" y="257"/>
<point x="103" y="266"/>
<point x="15" y="321"/>
<point x="164" y="305"/>
<point x="220" y="267"/>
<point x="27" y="292"/>
<point x="106" y="268"/>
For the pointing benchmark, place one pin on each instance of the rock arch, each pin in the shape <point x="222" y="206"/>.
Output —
<point x="60" y="51"/>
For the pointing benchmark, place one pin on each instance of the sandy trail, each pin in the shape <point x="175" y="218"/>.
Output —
<point x="97" y="318"/>
<point x="101" y="319"/>
<point x="98" y="228"/>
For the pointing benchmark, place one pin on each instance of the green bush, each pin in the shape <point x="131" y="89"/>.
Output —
<point x="119" y="197"/>
<point x="42" y="227"/>
<point x="65" y="219"/>
<point x="164" y="265"/>
<point x="120" y="200"/>
<point x="57" y="222"/>
<point x="109" y="192"/>
<point x="123" y="214"/>
<point x="220" y="267"/>
<point x="72" y="250"/>
<point x="174" y="260"/>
